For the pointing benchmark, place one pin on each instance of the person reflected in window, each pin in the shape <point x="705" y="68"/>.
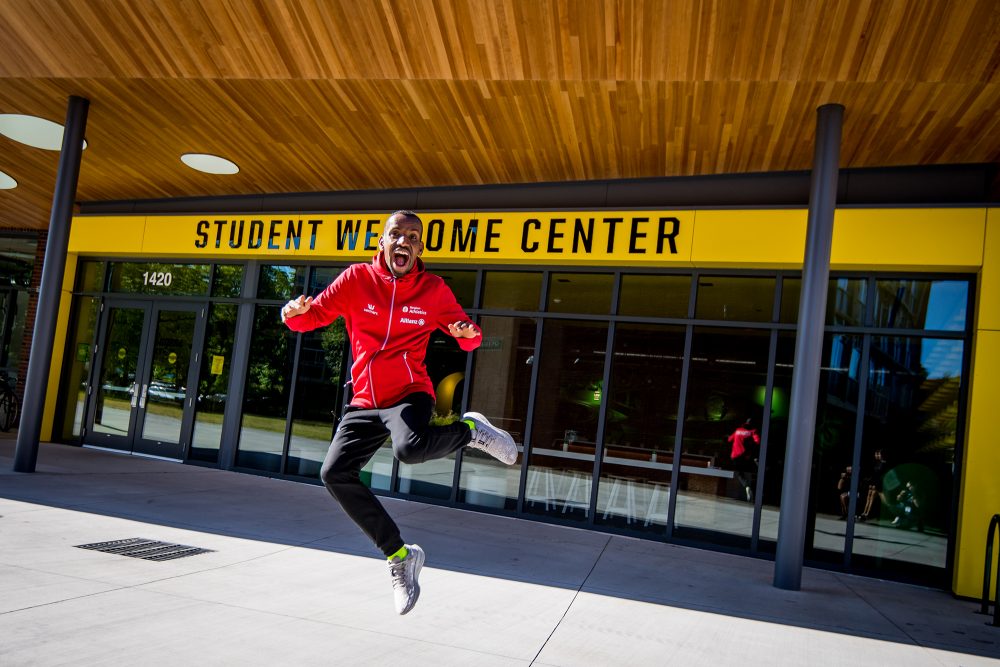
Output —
<point x="391" y="306"/>
<point x="873" y="483"/>
<point x="844" y="487"/>
<point x="909" y="513"/>
<point x="743" y="456"/>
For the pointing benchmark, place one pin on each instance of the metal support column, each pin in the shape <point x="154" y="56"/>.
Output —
<point x="808" y="349"/>
<point x="43" y="336"/>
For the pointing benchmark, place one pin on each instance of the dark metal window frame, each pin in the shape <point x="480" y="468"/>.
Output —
<point x="248" y="301"/>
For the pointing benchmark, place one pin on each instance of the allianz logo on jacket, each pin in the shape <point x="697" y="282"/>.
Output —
<point x="370" y="309"/>
<point x="410" y="320"/>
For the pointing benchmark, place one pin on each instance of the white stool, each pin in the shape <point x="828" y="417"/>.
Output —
<point x="654" y="498"/>
<point x="622" y="498"/>
<point x="577" y="492"/>
<point x="540" y="487"/>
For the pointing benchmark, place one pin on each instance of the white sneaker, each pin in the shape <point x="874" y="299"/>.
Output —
<point x="494" y="441"/>
<point x="405" y="587"/>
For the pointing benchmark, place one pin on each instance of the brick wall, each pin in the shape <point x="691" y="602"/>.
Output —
<point x="29" y="317"/>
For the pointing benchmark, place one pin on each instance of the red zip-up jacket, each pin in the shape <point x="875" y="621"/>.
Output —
<point x="389" y="321"/>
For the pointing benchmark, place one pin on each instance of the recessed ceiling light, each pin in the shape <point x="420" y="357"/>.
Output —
<point x="6" y="182"/>
<point x="210" y="164"/>
<point x="33" y="131"/>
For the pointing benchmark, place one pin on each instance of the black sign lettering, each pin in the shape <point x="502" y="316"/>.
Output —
<point x="202" y="233"/>
<point x="235" y="241"/>
<point x="672" y="236"/>
<point x="435" y="234"/>
<point x="294" y="232"/>
<point x="531" y="222"/>
<point x="272" y="234"/>
<point x="490" y="235"/>
<point x="468" y="239"/>
<point x="312" y="235"/>
<point x="635" y="236"/>
<point x="219" y="224"/>
<point x="553" y="234"/>
<point x="256" y="237"/>
<point x="347" y="233"/>
<point x="583" y="237"/>
<point x="611" y="223"/>
<point x="370" y="234"/>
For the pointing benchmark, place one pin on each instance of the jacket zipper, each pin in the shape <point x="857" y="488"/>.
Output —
<point x="406" y="363"/>
<point x="388" y="328"/>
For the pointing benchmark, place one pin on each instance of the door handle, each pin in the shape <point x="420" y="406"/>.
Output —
<point x="134" y="390"/>
<point x="142" y="398"/>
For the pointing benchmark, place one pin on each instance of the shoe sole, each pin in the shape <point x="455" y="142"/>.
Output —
<point x="481" y="417"/>
<point x="419" y="556"/>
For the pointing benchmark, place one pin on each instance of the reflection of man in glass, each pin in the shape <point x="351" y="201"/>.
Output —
<point x="744" y="441"/>
<point x="391" y="307"/>
<point x="874" y="485"/>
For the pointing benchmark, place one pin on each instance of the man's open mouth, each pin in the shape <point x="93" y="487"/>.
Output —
<point x="400" y="258"/>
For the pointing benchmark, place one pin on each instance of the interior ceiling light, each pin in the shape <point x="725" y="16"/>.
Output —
<point x="6" y="182"/>
<point x="210" y="164"/>
<point x="33" y="131"/>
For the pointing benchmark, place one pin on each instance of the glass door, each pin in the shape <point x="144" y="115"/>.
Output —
<point x="145" y="378"/>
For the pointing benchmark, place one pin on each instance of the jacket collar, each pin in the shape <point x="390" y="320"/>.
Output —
<point x="378" y="263"/>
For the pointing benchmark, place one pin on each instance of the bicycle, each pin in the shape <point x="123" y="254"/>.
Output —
<point x="9" y="406"/>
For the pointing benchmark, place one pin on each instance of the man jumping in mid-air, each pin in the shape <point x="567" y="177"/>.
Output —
<point x="391" y="307"/>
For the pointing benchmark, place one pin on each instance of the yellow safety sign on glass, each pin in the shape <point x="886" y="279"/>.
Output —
<point x="217" y="363"/>
<point x="172" y="357"/>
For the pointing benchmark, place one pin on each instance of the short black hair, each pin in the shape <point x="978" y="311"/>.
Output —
<point x="406" y="214"/>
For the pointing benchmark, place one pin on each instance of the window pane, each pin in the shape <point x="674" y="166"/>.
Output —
<point x="265" y="399"/>
<point x="833" y="448"/>
<point x="908" y="451"/>
<point x="580" y="293"/>
<point x="90" y="276"/>
<point x="777" y="435"/>
<point x="446" y="367"/>
<point x="281" y="282"/>
<point x="228" y="280"/>
<point x="17" y="260"/>
<point x="501" y="382"/>
<point x="721" y="436"/>
<point x="564" y="430"/>
<point x="654" y="296"/>
<point x="512" y="290"/>
<point x="463" y="284"/>
<point x="734" y="298"/>
<point x="159" y="278"/>
<point x="921" y="304"/>
<point x="377" y="473"/>
<point x="321" y="277"/>
<point x="845" y="301"/>
<point x="318" y="395"/>
<point x="213" y="383"/>
<point x="79" y="358"/>
<point x="640" y="426"/>
<point x="13" y="313"/>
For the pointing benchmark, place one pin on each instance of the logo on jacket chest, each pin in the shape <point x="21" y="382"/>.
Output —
<point x="370" y="309"/>
<point x="410" y="313"/>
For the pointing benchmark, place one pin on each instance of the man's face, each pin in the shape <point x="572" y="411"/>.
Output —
<point x="401" y="244"/>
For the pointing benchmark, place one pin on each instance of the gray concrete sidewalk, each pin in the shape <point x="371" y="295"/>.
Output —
<point x="290" y="580"/>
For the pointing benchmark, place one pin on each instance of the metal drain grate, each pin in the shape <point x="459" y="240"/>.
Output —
<point x="137" y="547"/>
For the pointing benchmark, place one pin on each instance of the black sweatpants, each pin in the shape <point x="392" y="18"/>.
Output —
<point x="360" y="434"/>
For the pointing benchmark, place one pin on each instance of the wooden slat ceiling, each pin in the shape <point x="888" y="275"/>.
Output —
<point x="315" y="95"/>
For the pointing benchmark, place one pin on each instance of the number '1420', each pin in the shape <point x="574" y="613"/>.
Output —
<point x="157" y="278"/>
